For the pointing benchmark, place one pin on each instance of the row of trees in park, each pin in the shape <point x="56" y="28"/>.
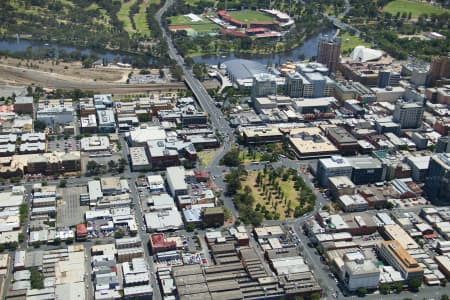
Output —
<point x="269" y="185"/>
<point x="243" y="201"/>
<point x="269" y="188"/>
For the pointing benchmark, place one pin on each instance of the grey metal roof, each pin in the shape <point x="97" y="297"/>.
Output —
<point x="242" y="68"/>
<point x="23" y="100"/>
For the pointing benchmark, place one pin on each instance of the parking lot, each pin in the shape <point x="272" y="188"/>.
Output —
<point x="70" y="144"/>
<point x="69" y="210"/>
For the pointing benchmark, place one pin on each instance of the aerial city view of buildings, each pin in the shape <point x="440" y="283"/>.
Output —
<point x="325" y="178"/>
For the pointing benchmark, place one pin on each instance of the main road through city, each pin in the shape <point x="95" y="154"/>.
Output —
<point x="200" y="93"/>
<point x="218" y="121"/>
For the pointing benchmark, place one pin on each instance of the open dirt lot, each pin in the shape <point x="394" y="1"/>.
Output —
<point x="111" y="80"/>
<point x="70" y="70"/>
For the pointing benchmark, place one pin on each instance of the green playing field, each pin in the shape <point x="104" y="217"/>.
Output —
<point x="416" y="8"/>
<point x="249" y="15"/>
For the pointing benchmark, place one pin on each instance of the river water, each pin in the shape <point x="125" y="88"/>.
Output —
<point x="307" y="50"/>
<point x="21" y="45"/>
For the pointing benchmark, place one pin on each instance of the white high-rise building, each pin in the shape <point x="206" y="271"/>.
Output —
<point x="333" y="166"/>
<point x="361" y="273"/>
<point x="264" y="84"/>
<point x="408" y="114"/>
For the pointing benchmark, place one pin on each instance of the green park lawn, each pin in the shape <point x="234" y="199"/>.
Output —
<point x="67" y="2"/>
<point x="124" y="17"/>
<point x="249" y="15"/>
<point x="248" y="158"/>
<point x="193" y="2"/>
<point x="182" y="20"/>
<point x="140" y="19"/>
<point x="415" y="7"/>
<point x="201" y="27"/>
<point x="103" y="17"/>
<point x="205" y="28"/>
<point x="261" y="199"/>
<point x="269" y="199"/>
<point x="349" y="42"/>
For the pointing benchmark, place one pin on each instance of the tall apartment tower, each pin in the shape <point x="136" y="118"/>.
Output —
<point x="387" y="78"/>
<point x="294" y="85"/>
<point x="408" y="114"/>
<point x="329" y="52"/>
<point x="443" y="145"/>
<point x="440" y="68"/>
<point x="437" y="184"/>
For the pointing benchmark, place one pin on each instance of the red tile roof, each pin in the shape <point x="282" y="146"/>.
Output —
<point x="158" y="240"/>
<point x="179" y="27"/>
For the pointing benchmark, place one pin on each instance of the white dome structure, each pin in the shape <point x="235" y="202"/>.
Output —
<point x="363" y="54"/>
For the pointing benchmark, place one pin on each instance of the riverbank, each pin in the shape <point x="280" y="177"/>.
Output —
<point x="280" y="47"/>
<point x="304" y="49"/>
<point x="35" y="49"/>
